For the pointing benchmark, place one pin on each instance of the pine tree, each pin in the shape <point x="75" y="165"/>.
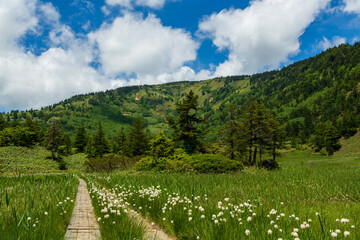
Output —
<point x="119" y="143"/>
<point x="260" y="128"/>
<point x="99" y="144"/>
<point x="81" y="139"/>
<point x="186" y="127"/>
<point x="230" y="134"/>
<point x="54" y="138"/>
<point x="137" y="142"/>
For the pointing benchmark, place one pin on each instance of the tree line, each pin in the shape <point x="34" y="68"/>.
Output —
<point x="250" y="135"/>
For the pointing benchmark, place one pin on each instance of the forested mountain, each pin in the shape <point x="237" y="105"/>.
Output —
<point x="305" y="96"/>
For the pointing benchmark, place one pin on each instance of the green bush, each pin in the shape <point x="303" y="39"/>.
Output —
<point x="176" y="162"/>
<point x="214" y="163"/>
<point x="150" y="163"/>
<point x="109" y="162"/>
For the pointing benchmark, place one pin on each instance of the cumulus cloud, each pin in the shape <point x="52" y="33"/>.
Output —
<point x="325" y="43"/>
<point x="260" y="36"/>
<point x="352" y="6"/>
<point x="140" y="47"/>
<point x="16" y="17"/>
<point x="157" y="4"/>
<point x="30" y="81"/>
<point x="133" y="44"/>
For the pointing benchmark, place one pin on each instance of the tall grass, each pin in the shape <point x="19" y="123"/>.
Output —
<point x="36" y="207"/>
<point x="304" y="202"/>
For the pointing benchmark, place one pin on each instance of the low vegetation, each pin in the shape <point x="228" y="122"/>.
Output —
<point x="36" y="207"/>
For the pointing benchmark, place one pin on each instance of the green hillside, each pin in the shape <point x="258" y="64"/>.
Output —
<point x="304" y="94"/>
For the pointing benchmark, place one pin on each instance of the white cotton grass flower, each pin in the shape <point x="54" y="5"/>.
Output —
<point x="29" y="218"/>
<point x="190" y="218"/>
<point x="344" y="220"/>
<point x="338" y="231"/>
<point x="247" y="232"/>
<point x="269" y="232"/>
<point x="294" y="234"/>
<point x="249" y="219"/>
<point x="202" y="216"/>
<point x="346" y="233"/>
<point x="334" y="234"/>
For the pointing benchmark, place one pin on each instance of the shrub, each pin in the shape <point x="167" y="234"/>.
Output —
<point x="150" y="163"/>
<point x="269" y="164"/>
<point x="108" y="162"/>
<point x="214" y="163"/>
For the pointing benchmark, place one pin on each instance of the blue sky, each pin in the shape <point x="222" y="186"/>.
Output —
<point x="52" y="50"/>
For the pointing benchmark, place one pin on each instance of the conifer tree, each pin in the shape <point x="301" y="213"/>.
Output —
<point x="81" y="139"/>
<point x="99" y="144"/>
<point x="119" y="143"/>
<point x="260" y="128"/>
<point x="186" y="127"/>
<point x="54" y="138"/>
<point x="230" y="134"/>
<point x="137" y="142"/>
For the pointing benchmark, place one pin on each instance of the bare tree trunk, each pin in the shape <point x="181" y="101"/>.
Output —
<point x="254" y="159"/>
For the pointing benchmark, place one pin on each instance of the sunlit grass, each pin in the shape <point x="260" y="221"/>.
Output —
<point x="36" y="207"/>
<point x="219" y="206"/>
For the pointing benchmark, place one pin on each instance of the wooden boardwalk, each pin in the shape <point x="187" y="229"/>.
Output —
<point x="83" y="224"/>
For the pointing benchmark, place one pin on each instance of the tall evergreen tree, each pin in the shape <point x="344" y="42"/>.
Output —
<point x="137" y="142"/>
<point x="186" y="127"/>
<point x="260" y="128"/>
<point x="230" y="135"/>
<point x="99" y="144"/>
<point x="81" y="139"/>
<point x="54" y="138"/>
<point x="119" y="142"/>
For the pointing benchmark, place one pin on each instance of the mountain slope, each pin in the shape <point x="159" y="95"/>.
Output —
<point x="319" y="89"/>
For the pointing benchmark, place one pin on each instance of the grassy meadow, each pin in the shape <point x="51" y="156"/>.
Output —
<point x="305" y="202"/>
<point x="36" y="207"/>
<point x="312" y="196"/>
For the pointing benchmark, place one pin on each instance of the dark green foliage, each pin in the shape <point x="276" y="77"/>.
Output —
<point x="99" y="144"/>
<point x="137" y="142"/>
<point x="109" y="162"/>
<point x="54" y="138"/>
<point x="187" y="131"/>
<point x="62" y="165"/>
<point x="3" y="123"/>
<point x="268" y="164"/>
<point x="230" y="135"/>
<point x="328" y="136"/>
<point x="260" y="130"/>
<point x="120" y="140"/>
<point x="81" y="139"/>
<point x="214" y="163"/>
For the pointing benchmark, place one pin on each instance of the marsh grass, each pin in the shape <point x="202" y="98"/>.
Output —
<point x="36" y="207"/>
<point x="298" y="192"/>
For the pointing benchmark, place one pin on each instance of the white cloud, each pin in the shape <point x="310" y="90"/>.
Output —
<point x="50" y="13"/>
<point x="16" y="17"/>
<point x="260" y="36"/>
<point x="157" y="4"/>
<point x="325" y="43"/>
<point x="30" y="81"/>
<point x="132" y="44"/>
<point x="352" y="6"/>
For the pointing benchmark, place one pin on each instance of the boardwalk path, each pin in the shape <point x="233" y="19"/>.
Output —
<point x="83" y="224"/>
